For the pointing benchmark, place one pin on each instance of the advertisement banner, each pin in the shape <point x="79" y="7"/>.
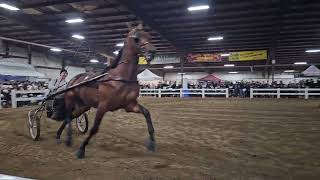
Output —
<point x="248" y="55"/>
<point x="161" y="59"/>
<point x="204" y="57"/>
<point x="142" y="61"/>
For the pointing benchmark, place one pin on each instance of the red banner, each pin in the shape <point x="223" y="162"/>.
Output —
<point x="204" y="57"/>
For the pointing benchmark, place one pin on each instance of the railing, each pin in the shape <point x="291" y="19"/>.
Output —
<point x="184" y="92"/>
<point x="17" y="96"/>
<point x="15" y="99"/>
<point x="285" y="92"/>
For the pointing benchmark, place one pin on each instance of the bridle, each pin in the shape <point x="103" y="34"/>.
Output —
<point x="141" y="46"/>
<point x="149" y="55"/>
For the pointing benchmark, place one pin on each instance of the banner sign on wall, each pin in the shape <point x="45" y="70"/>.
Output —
<point x="161" y="59"/>
<point x="142" y="60"/>
<point x="248" y="55"/>
<point x="204" y="57"/>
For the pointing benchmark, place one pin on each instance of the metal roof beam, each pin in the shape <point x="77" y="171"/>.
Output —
<point x="147" y="19"/>
<point x="30" y="22"/>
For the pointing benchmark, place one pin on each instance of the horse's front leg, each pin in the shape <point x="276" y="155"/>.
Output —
<point x="97" y="121"/>
<point x="137" y="108"/>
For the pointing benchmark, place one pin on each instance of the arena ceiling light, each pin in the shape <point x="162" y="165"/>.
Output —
<point x="313" y="50"/>
<point x="115" y="52"/>
<point x="75" y="20"/>
<point x="78" y="36"/>
<point x="300" y="63"/>
<point x="216" y="38"/>
<point x="233" y="72"/>
<point x="198" y="7"/>
<point x="94" y="61"/>
<point x="229" y="65"/>
<point x="168" y="67"/>
<point x="225" y="55"/>
<point x="55" y="49"/>
<point x="120" y="44"/>
<point x="9" y="7"/>
<point x="289" y="71"/>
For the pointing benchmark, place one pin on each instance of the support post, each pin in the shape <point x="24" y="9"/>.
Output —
<point x="14" y="99"/>
<point x="278" y="93"/>
<point x="0" y="101"/>
<point x="63" y="63"/>
<point x="227" y="92"/>
<point x="182" y="68"/>
<point x="203" y="93"/>
<point x="29" y="54"/>
<point x="251" y="93"/>
<point x="306" y="93"/>
<point x="6" y="49"/>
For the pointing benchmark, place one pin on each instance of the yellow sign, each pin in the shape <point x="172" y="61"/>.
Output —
<point x="248" y="55"/>
<point x="142" y="60"/>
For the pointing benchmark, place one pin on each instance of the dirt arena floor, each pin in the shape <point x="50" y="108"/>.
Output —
<point x="218" y="139"/>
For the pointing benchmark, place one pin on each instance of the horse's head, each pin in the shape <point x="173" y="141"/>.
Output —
<point x="140" y="42"/>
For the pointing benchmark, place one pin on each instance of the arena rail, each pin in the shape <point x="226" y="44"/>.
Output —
<point x="184" y="92"/>
<point x="15" y="99"/>
<point x="17" y="96"/>
<point x="306" y="92"/>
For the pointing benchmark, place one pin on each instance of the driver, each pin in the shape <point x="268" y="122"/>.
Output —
<point x="59" y="83"/>
<point x="56" y="85"/>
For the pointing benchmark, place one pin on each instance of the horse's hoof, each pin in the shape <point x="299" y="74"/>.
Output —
<point x="151" y="145"/>
<point x="58" y="141"/>
<point x="68" y="143"/>
<point x="80" y="154"/>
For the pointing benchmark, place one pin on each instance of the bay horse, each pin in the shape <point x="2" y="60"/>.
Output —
<point x="119" y="89"/>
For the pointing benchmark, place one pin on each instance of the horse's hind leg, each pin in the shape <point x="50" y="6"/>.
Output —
<point x="137" y="108"/>
<point x="97" y="121"/>
<point x="68" y="120"/>
<point x="70" y="106"/>
<point x="59" y="132"/>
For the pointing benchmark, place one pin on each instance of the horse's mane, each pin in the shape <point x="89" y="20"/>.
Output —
<point x="115" y="62"/>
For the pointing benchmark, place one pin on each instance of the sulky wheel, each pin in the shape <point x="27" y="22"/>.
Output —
<point x="34" y="124"/>
<point x="82" y="123"/>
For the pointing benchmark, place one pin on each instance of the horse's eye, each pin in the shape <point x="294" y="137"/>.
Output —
<point x="136" y="40"/>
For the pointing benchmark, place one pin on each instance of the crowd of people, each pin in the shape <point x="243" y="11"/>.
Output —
<point x="6" y="87"/>
<point x="236" y="89"/>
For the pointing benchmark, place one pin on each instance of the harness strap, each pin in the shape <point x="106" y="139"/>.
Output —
<point x="119" y="80"/>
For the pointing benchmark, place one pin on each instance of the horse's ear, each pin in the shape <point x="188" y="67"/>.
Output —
<point x="130" y="26"/>
<point x="140" y="26"/>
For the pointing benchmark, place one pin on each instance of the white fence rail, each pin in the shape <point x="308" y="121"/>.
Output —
<point x="285" y="92"/>
<point x="22" y="96"/>
<point x="184" y="92"/>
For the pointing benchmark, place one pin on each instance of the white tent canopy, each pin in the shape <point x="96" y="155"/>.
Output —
<point x="147" y="75"/>
<point x="9" y="67"/>
<point x="311" y="71"/>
